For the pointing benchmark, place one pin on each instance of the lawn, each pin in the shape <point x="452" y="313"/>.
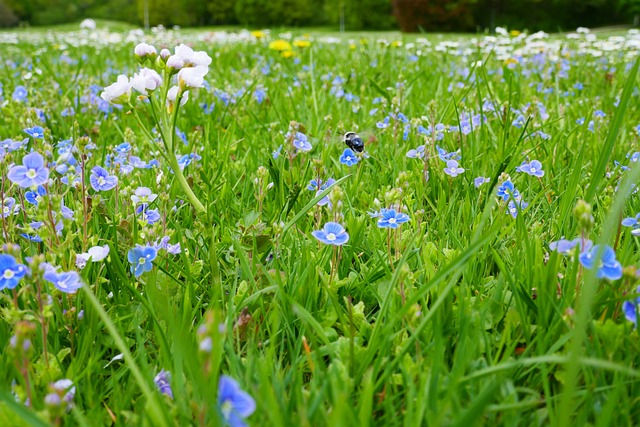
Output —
<point x="313" y="228"/>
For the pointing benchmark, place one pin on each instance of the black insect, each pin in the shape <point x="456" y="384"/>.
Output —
<point x="354" y="142"/>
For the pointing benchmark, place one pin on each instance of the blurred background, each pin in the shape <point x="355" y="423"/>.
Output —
<point x="349" y="15"/>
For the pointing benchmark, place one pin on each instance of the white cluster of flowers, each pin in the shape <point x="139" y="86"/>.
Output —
<point x="189" y="65"/>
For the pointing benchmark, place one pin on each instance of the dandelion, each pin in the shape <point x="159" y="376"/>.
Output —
<point x="280" y="45"/>
<point x="141" y="258"/>
<point x="32" y="172"/>
<point x="10" y="272"/>
<point x="332" y="234"/>
<point x="235" y="404"/>
<point x="348" y="157"/>
<point x="389" y="218"/>
<point x="609" y="267"/>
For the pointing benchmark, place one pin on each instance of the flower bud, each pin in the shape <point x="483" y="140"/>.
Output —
<point x="582" y="212"/>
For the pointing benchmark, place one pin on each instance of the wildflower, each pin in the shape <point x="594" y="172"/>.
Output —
<point x="280" y="45"/>
<point x="348" y="157"/>
<point x="20" y="94"/>
<point x="389" y="218"/>
<point x="141" y="258"/>
<point x="151" y="216"/>
<point x="564" y="246"/>
<point x="10" y="272"/>
<point x="142" y="50"/>
<point x="302" y="43"/>
<point x="301" y="142"/>
<point x="507" y="190"/>
<point x="146" y="79"/>
<point x="95" y="254"/>
<point x="101" y="180"/>
<point x="190" y="57"/>
<point x="32" y="172"/>
<point x="9" y="207"/>
<point x="163" y="382"/>
<point x="192" y="77"/>
<point x="534" y="168"/>
<point x="608" y="268"/>
<point x="67" y="282"/>
<point x="332" y="234"/>
<point x="453" y="168"/>
<point x="62" y="391"/>
<point x="119" y="92"/>
<point x="143" y="195"/>
<point x="172" y="94"/>
<point x="235" y="404"/>
<point x="383" y="124"/>
<point x="631" y="308"/>
<point x="258" y="34"/>
<point x="515" y="206"/>
<point x="416" y="153"/>
<point x="633" y="222"/>
<point x="480" y="181"/>
<point x="36" y="132"/>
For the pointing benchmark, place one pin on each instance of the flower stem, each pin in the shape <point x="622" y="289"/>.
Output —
<point x="193" y="199"/>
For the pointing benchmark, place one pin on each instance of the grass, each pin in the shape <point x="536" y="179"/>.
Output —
<point x="461" y="316"/>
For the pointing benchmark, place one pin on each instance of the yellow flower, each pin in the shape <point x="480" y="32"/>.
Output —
<point x="514" y="33"/>
<point x="280" y="45"/>
<point x="396" y="43"/>
<point x="288" y="53"/>
<point x="258" y="34"/>
<point x="302" y="43"/>
<point x="511" y="61"/>
<point x="352" y="46"/>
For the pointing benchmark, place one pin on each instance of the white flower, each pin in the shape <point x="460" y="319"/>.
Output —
<point x="88" y="24"/>
<point x="192" y="76"/>
<point x="164" y="54"/>
<point x="175" y="62"/>
<point x="191" y="58"/>
<point x="119" y="92"/>
<point x="147" y="79"/>
<point x="173" y="93"/>
<point x="144" y="49"/>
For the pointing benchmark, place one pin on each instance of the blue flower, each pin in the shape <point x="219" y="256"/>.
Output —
<point x="34" y="197"/>
<point x="141" y="258"/>
<point x="332" y="234"/>
<point x="35" y="132"/>
<point x="277" y="152"/>
<point x="515" y="206"/>
<point x="151" y="216"/>
<point x="235" y="404"/>
<point x="389" y="218"/>
<point x="383" y="124"/>
<point x="480" y="181"/>
<point x="416" y="153"/>
<point x="507" y="190"/>
<point x="143" y="195"/>
<point x="101" y="180"/>
<point x="9" y="207"/>
<point x="163" y="382"/>
<point x="10" y="272"/>
<point x="453" y="168"/>
<point x="301" y="142"/>
<point x="68" y="282"/>
<point x="564" y="246"/>
<point x="634" y="223"/>
<point x="20" y="94"/>
<point x="534" y="168"/>
<point x="609" y="267"/>
<point x="631" y="308"/>
<point x="348" y="157"/>
<point x="32" y="172"/>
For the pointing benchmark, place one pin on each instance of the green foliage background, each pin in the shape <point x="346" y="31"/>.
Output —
<point x="410" y="15"/>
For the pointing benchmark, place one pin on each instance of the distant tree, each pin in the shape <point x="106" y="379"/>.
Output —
<point x="221" y="12"/>
<point x="434" y="15"/>
<point x="360" y="14"/>
<point x="7" y="17"/>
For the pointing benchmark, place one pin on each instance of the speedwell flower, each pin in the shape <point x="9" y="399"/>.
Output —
<point x="10" y="272"/>
<point x="534" y="168"/>
<point x="67" y="282"/>
<point x="633" y="222"/>
<point x="453" y="169"/>
<point x="332" y="234"/>
<point x="507" y="191"/>
<point x="235" y="404"/>
<point x="389" y="218"/>
<point x="32" y="172"/>
<point x="141" y="258"/>
<point x="348" y="157"/>
<point x="609" y="267"/>
<point x="101" y="180"/>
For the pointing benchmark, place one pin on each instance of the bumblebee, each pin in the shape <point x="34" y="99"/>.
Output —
<point x="354" y="142"/>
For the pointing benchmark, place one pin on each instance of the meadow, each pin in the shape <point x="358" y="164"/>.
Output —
<point x="188" y="238"/>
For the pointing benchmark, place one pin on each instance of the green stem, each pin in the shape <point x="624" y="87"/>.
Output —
<point x="193" y="199"/>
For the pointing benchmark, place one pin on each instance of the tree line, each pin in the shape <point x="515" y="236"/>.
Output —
<point x="408" y="15"/>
